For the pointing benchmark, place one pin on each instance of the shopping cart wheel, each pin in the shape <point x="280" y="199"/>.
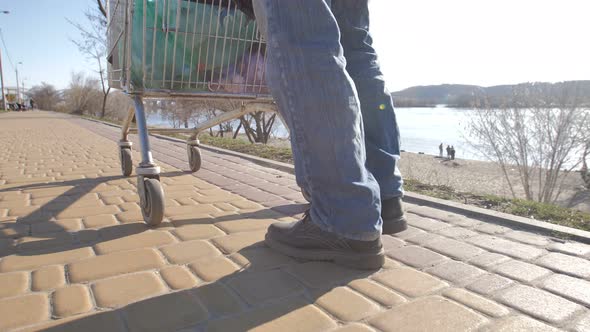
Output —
<point x="305" y="194"/>
<point x="126" y="161"/>
<point x="194" y="157"/>
<point x="151" y="200"/>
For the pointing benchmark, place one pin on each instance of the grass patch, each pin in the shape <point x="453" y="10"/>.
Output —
<point x="519" y="207"/>
<point x="259" y="150"/>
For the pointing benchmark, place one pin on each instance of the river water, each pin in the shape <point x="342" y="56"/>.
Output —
<point x="421" y="129"/>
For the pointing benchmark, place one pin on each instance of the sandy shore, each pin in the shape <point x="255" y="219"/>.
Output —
<point x="482" y="177"/>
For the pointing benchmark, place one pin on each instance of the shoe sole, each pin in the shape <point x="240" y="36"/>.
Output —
<point x="372" y="261"/>
<point x="392" y="226"/>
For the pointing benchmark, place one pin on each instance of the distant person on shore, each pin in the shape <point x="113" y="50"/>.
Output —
<point x="452" y="152"/>
<point x="448" y="152"/>
<point x="32" y="102"/>
<point x="440" y="150"/>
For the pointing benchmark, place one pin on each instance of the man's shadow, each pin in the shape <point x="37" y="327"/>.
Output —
<point x="240" y="301"/>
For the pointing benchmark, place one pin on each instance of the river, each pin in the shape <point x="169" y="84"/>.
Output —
<point x="421" y="129"/>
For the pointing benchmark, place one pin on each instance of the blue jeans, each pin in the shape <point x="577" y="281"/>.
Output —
<point x="323" y="73"/>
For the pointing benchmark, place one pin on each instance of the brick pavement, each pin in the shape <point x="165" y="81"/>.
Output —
<point x="75" y="256"/>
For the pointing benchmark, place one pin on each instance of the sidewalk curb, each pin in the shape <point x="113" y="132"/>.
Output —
<point x="414" y="198"/>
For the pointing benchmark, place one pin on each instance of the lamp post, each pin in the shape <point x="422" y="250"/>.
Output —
<point x="2" y="72"/>
<point x="17" y="84"/>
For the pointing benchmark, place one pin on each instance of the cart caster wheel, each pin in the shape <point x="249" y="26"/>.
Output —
<point x="194" y="157"/>
<point x="151" y="200"/>
<point x="306" y="195"/>
<point x="126" y="161"/>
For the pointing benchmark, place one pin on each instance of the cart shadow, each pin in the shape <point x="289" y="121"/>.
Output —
<point x="60" y="239"/>
<point x="259" y="294"/>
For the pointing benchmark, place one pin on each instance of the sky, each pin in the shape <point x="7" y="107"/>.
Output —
<point x="419" y="42"/>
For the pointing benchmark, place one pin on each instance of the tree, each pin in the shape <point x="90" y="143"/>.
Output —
<point x="93" y="44"/>
<point x="81" y="95"/>
<point x="539" y="132"/>
<point x="46" y="97"/>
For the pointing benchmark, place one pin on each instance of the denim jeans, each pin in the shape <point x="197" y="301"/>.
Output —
<point x="324" y="75"/>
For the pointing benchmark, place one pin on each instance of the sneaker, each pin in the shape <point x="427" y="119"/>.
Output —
<point x="303" y="239"/>
<point x="392" y="213"/>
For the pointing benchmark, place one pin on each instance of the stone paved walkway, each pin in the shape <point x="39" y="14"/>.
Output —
<point x="75" y="256"/>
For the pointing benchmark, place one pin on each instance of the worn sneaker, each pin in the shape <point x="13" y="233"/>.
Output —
<point x="303" y="239"/>
<point x="392" y="213"/>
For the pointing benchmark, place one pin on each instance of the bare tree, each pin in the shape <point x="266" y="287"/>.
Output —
<point x="538" y="132"/>
<point x="46" y="97"/>
<point x="81" y="95"/>
<point x="92" y="43"/>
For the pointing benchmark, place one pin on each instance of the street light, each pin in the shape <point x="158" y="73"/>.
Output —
<point x="2" y="72"/>
<point x="17" y="85"/>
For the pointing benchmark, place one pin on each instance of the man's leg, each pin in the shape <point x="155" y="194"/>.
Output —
<point x="316" y="96"/>
<point x="382" y="139"/>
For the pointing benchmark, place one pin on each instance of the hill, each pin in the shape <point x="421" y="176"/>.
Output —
<point x="461" y="95"/>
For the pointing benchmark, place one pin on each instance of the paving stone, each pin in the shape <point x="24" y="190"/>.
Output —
<point x="261" y="258"/>
<point x="345" y="304"/>
<point x="456" y="272"/>
<point x="409" y="233"/>
<point x="71" y="300"/>
<point x="178" y="277"/>
<point x="428" y="314"/>
<point x="319" y="275"/>
<point x="238" y="241"/>
<point x="572" y="248"/>
<point x="490" y="228"/>
<point x="213" y="268"/>
<point x="529" y="238"/>
<point x="48" y="277"/>
<point x="136" y="241"/>
<point x="122" y="290"/>
<point x="185" y="252"/>
<point x="376" y="292"/>
<point x="425" y="223"/>
<point x="410" y="282"/>
<point x="391" y="243"/>
<point x="521" y="271"/>
<point x="453" y="248"/>
<point x="282" y="316"/>
<point x="508" y="248"/>
<point x="87" y="211"/>
<point x="17" y="263"/>
<point x="452" y="218"/>
<point x="569" y="287"/>
<point x="188" y="210"/>
<point x="527" y="299"/>
<point x="12" y="229"/>
<point x="99" y="221"/>
<point x="94" y="322"/>
<point x="416" y="256"/>
<point x="422" y="239"/>
<point x="44" y="243"/>
<point x="246" y="205"/>
<point x="129" y="216"/>
<point x="476" y="302"/>
<point x="489" y="283"/>
<point x="259" y="287"/>
<point x="488" y="259"/>
<point x="198" y="232"/>
<point x="354" y="327"/>
<point x="66" y="225"/>
<point x="575" y="266"/>
<point x="457" y="232"/>
<point x="113" y="264"/>
<point x="218" y="299"/>
<point x="23" y="310"/>
<point x="245" y="225"/>
<point x="13" y="283"/>
<point x="169" y="312"/>
<point x="518" y="324"/>
<point x="583" y="325"/>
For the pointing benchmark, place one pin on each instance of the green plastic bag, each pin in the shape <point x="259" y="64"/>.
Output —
<point x="183" y="42"/>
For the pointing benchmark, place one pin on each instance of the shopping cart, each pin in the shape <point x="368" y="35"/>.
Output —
<point x="175" y="49"/>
